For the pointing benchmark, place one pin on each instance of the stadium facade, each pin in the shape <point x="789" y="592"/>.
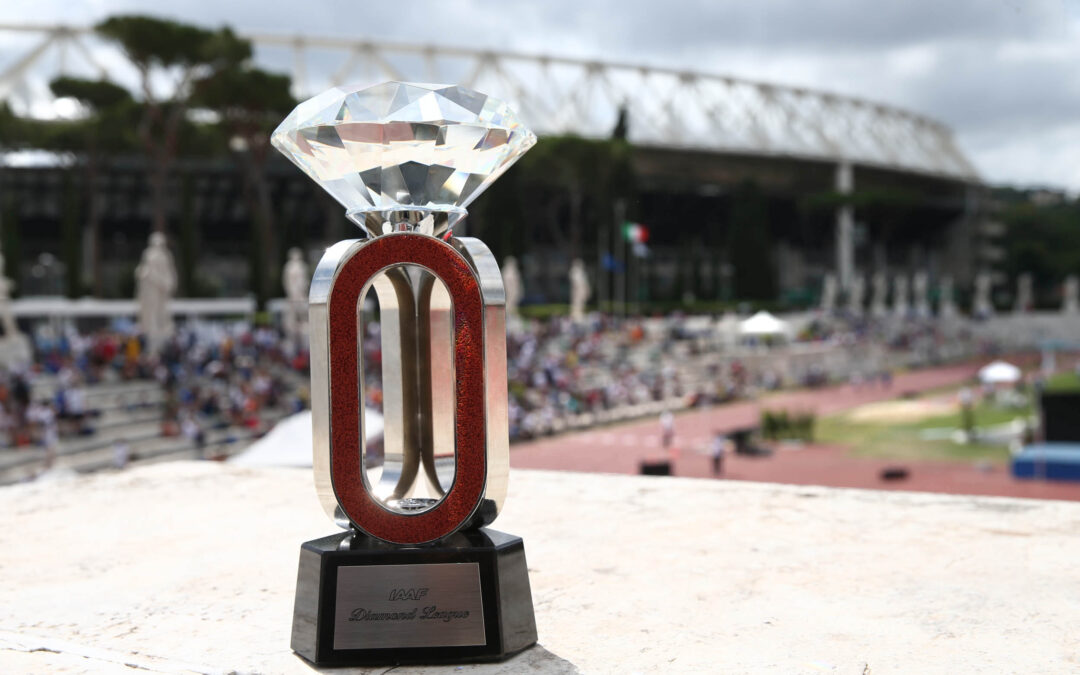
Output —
<point x="833" y="184"/>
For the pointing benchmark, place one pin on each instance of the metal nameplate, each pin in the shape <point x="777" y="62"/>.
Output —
<point x="389" y="606"/>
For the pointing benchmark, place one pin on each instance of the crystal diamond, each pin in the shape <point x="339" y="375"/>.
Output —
<point x="401" y="155"/>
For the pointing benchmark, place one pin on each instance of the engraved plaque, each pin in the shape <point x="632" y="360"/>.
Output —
<point x="389" y="606"/>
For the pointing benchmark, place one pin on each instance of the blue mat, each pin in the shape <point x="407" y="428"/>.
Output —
<point x="1051" y="461"/>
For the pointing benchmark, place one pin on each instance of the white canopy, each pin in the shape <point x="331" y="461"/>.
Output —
<point x="289" y="442"/>
<point x="763" y="323"/>
<point x="998" y="372"/>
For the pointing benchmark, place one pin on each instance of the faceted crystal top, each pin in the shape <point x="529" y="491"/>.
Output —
<point x="401" y="155"/>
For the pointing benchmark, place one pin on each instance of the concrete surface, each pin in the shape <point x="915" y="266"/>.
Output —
<point x="190" y="567"/>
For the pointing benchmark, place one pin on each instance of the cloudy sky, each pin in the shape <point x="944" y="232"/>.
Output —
<point x="1003" y="74"/>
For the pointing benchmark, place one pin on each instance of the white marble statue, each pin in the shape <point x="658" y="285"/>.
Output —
<point x="920" y="289"/>
<point x="1025" y="296"/>
<point x="155" y="283"/>
<point x="295" y="278"/>
<point x="828" y="294"/>
<point x="878" y="306"/>
<point x="1070" y="295"/>
<point x="512" y="286"/>
<point x="982" y="306"/>
<point x="855" y="295"/>
<point x="728" y="328"/>
<point x="15" y="351"/>
<point x="580" y="290"/>
<point x="7" y="317"/>
<point x="946" y="303"/>
<point x="901" y="305"/>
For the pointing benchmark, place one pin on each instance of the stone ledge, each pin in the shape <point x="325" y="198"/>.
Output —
<point x="190" y="567"/>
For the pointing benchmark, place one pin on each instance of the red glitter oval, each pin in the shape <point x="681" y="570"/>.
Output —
<point x="470" y="472"/>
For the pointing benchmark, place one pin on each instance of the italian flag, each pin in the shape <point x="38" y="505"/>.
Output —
<point x="635" y="233"/>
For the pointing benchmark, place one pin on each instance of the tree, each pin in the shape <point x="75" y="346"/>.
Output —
<point x="110" y="111"/>
<point x="622" y="124"/>
<point x="180" y="53"/>
<point x="1041" y="239"/>
<point x="250" y="102"/>
<point x="574" y="182"/>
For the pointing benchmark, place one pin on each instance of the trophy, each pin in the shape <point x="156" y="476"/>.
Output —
<point x="415" y="577"/>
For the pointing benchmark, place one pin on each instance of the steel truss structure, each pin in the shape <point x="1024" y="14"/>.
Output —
<point x="667" y="108"/>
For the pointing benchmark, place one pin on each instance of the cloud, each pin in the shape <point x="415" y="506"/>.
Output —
<point x="683" y="26"/>
<point x="999" y="72"/>
<point x="1045" y="156"/>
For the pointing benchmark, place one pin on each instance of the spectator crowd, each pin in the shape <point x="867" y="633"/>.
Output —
<point x="561" y="374"/>
<point x="210" y="375"/>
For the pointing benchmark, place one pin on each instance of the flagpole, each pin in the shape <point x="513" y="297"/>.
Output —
<point x="601" y="272"/>
<point x="631" y="262"/>
<point x="619" y="245"/>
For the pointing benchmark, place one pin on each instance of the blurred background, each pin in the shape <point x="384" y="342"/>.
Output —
<point x="833" y="244"/>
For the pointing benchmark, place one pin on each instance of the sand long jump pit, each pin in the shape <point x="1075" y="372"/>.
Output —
<point x="901" y="411"/>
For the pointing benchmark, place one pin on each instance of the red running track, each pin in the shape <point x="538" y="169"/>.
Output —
<point x="621" y="448"/>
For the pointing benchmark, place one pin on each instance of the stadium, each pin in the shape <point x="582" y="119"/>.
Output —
<point x="745" y="189"/>
<point x="772" y="329"/>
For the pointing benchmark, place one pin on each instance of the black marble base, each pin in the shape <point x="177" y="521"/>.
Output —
<point x="463" y="599"/>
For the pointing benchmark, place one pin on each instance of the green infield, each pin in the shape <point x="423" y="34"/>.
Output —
<point x="923" y="429"/>
<point x="1063" y="382"/>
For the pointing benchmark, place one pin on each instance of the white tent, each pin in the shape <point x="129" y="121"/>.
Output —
<point x="999" y="372"/>
<point x="289" y="442"/>
<point x="763" y="323"/>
